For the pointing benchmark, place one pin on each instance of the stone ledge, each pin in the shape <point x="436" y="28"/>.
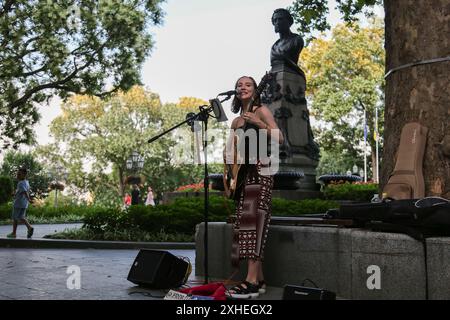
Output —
<point x="84" y="244"/>
<point x="338" y="259"/>
<point x="438" y="256"/>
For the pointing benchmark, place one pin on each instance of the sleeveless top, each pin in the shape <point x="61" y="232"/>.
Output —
<point x="247" y="139"/>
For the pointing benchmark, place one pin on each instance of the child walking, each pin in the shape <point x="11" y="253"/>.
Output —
<point x="20" y="205"/>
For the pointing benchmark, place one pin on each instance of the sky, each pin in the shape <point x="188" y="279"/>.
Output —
<point x="202" y="48"/>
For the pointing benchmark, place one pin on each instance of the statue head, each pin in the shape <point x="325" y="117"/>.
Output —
<point x="282" y="20"/>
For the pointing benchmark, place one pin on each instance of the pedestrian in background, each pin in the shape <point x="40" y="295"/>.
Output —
<point x="127" y="200"/>
<point x="20" y="204"/>
<point x="150" y="201"/>
<point x="135" y="195"/>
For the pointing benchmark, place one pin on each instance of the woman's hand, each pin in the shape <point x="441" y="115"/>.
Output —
<point x="253" y="118"/>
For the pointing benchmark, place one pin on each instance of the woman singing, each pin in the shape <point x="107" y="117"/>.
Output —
<point x="254" y="194"/>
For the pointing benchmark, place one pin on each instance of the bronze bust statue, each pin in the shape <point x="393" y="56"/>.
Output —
<point x="286" y="50"/>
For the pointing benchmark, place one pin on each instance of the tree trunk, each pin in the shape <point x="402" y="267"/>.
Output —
<point x="417" y="31"/>
<point x="121" y="182"/>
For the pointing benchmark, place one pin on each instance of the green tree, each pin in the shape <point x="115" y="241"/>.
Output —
<point x="311" y="15"/>
<point x="417" y="76"/>
<point x="191" y="103"/>
<point x="104" y="132"/>
<point x="6" y="189"/>
<point x="61" y="47"/>
<point x="183" y="167"/>
<point x="345" y="78"/>
<point x="37" y="175"/>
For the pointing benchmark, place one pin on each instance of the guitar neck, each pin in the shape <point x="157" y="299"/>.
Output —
<point x="259" y="89"/>
<point x="250" y="105"/>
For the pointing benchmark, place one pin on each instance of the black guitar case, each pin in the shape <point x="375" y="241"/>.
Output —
<point x="419" y="218"/>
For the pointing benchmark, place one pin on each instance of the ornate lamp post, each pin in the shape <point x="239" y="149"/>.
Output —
<point x="135" y="163"/>
<point x="57" y="174"/>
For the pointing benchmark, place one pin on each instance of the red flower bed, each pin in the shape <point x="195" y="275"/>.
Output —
<point x="195" y="187"/>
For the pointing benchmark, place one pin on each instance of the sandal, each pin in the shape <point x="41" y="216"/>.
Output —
<point x="30" y="233"/>
<point x="245" y="290"/>
<point x="262" y="286"/>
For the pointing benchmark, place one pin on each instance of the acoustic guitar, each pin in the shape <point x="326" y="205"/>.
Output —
<point x="232" y="174"/>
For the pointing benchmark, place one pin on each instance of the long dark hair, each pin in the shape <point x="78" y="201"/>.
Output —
<point x="236" y="105"/>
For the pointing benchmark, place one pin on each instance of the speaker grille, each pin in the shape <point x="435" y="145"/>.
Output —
<point x="157" y="269"/>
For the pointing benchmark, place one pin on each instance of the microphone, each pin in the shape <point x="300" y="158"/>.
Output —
<point x="218" y="110"/>
<point x="228" y="93"/>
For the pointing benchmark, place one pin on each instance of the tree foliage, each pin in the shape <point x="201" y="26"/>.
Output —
<point x="61" y="47"/>
<point x="345" y="77"/>
<point x="311" y="15"/>
<point x="95" y="137"/>
<point x="105" y="132"/>
<point x="191" y="103"/>
<point x="409" y="25"/>
<point x="6" y="189"/>
<point x="37" y="173"/>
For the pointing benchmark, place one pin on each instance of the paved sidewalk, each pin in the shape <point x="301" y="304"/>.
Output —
<point x="40" y="230"/>
<point x="39" y="242"/>
<point x="42" y="274"/>
<point x="32" y="272"/>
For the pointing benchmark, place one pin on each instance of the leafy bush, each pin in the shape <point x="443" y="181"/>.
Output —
<point x="181" y="216"/>
<point x="101" y="219"/>
<point x="5" y="211"/>
<point x="147" y="223"/>
<point x="70" y="218"/>
<point x="346" y="191"/>
<point x="121" y="235"/>
<point x="49" y="214"/>
<point x="6" y="189"/>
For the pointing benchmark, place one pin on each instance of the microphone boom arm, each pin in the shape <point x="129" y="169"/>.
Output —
<point x="190" y="119"/>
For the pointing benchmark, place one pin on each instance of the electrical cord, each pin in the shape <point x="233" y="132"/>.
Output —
<point x="418" y="63"/>
<point x="309" y="280"/>
<point x="147" y="294"/>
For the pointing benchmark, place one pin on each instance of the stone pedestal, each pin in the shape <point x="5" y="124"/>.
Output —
<point x="285" y="97"/>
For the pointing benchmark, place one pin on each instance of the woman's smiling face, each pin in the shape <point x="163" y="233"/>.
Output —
<point x="245" y="88"/>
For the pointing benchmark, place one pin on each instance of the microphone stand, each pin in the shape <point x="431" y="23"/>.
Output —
<point x="203" y="116"/>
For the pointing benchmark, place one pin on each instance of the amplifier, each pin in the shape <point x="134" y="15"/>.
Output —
<point x="305" y="293"/>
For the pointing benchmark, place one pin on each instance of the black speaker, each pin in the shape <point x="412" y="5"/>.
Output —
<point x="159" y="270"/>
<point x="306" y="293"/>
